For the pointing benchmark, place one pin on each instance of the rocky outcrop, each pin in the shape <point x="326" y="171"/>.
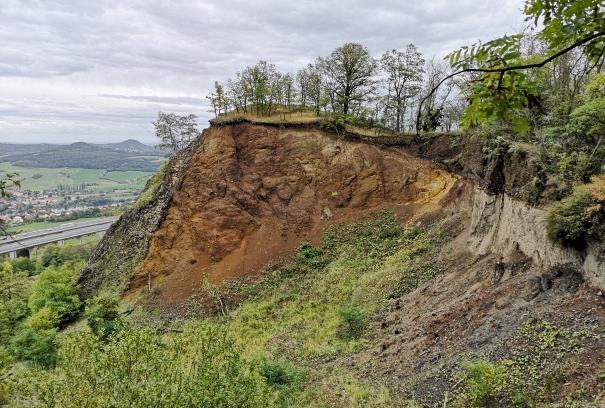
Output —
<point x="126" y="243"/>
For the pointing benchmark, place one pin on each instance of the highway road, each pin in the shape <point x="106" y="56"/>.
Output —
<point x="55" y="234"/>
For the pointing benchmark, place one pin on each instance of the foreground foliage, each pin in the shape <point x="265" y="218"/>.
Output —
<point x="268" y="351"/>
<point x="528" y="374"/>
<point x="201" y="367"/>
<point x="37" y="298"/>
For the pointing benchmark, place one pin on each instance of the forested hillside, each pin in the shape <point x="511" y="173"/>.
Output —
<point x="127" y="155"/>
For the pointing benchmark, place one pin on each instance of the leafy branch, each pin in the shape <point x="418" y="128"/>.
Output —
<point x="501" y="70"/>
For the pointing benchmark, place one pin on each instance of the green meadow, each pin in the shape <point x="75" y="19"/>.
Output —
<point x="39" y="179"/>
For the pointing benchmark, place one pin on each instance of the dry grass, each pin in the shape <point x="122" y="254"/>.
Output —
<point x="596" y="188"/>
<point x="304" y="116"/>
<point x="280" y="116"/>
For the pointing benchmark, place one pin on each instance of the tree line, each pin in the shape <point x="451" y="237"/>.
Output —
<point x="380" y="91"/>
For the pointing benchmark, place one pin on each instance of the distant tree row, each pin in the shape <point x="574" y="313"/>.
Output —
<point x="349" y="81"/>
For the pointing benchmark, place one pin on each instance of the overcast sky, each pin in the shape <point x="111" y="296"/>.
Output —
<point x="100" y="70"/>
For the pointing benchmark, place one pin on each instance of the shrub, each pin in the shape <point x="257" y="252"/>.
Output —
<point x="13" y="303"/>
<point x="576" y="166"/>
<point x="24" y="266"/>
<point x="579" y="218"/>
<point x="482" y="384"/>
<point x="36" y="346"/>
<point x="201" y="367"/>
<point x="351" y="321"/>
<point x="279" y="374"/>
<point x="102" y="315"/>
<point x="43" y="319"/>
<point x="6" y="270"/>
<point x="567" y="222"/>
<point x="310" y="257"/>
<point x="54" y="255"/>
<point x="55" y="289"/>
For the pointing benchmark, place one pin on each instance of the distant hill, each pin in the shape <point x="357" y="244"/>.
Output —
<point x="133" y="146"/>
<point x="8" y="149"/>
<point x="127" y="155"/>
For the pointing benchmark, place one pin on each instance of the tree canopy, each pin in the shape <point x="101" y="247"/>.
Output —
<point x="175" y="131"/>
<point x="504" y="89"/>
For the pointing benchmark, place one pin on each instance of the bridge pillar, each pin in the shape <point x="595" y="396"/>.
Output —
<point x="61" y="242"/>
<point x="33" y="251"/>
<point x="12" y="254"/>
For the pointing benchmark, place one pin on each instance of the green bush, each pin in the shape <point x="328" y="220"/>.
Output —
<point x="14" y="291"/>
<point x="6" y="380"/>
<point x="310" y="257"/>
<point x="482" y="384"/>
<point x="201" y="367"/>
<point x="279" y="374"/>
<point x="580" y="217"/>
<point x="24" y="266"/>
<point x="102" y="315"/>
<point x="36" y="346"/>
<point x="55" y="289"/>
<point x="567" y="222"/>
<point x="577" y="166"/>
<point x="44" y="319"/>
<point x="351" y="321"/>
<point x="54" y="255"/>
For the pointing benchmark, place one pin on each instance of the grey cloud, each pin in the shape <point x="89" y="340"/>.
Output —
<point x="121" y="49"/>
<point x="169" y="100"/>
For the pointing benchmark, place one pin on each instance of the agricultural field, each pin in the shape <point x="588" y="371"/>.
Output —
<point x="40" y="179"/>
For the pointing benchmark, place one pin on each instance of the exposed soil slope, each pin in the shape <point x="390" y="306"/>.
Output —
<point x="251" y="194"/>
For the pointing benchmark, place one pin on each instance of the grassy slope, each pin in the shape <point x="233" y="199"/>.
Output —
<point x="290" y="322"/>
<point x="51" y="178"/>
<point x="292" y="318"/>
<point x="292" y="315"/>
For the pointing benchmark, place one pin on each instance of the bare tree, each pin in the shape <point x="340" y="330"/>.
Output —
<point x="174" y="131"/>
<point x="289" y="90"/>
<point x="302" y="80"/>
<point x="236" y="94"/>
<point x="434" y="102"/>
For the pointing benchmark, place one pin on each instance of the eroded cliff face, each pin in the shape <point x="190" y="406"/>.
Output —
<point x="500" y="224"/>
<point x="246" y="195"/>
<point x="252" y="194"/>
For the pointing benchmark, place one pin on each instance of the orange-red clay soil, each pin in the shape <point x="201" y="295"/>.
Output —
<point x="252" y="194"/>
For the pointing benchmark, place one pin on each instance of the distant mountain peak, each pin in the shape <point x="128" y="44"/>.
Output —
<point x="80" y="144"/>
<point x="130" y="145"/>
<point x="131" y="142"/>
